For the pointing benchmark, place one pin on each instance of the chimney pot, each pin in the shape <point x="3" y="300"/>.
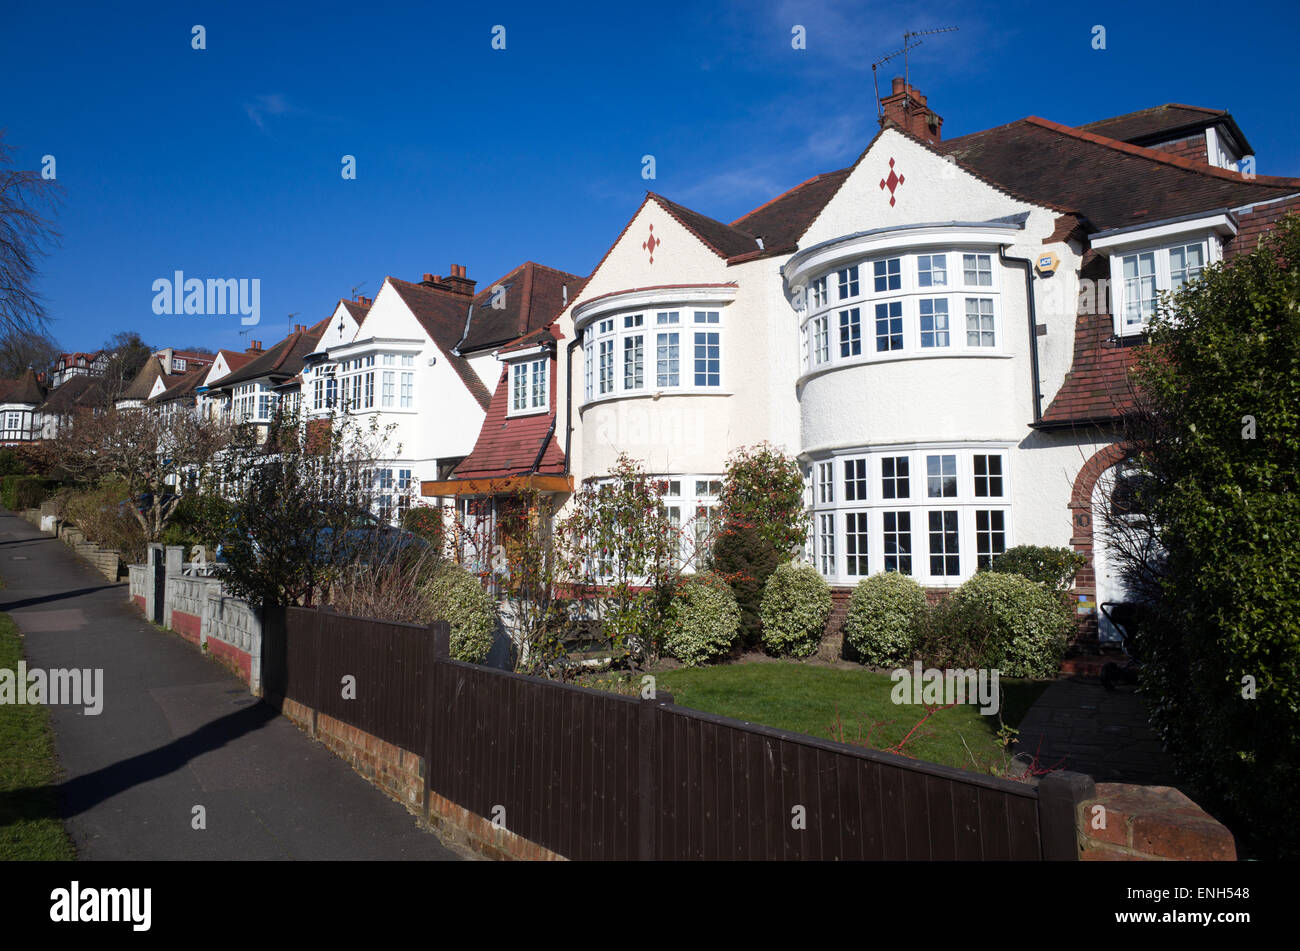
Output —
<point x="898" y="85"/>
<point x="428" y="278"/>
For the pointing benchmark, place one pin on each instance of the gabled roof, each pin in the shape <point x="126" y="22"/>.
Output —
<point x="26" y="389"/>
<point x="722" y="239"/>
<point x="1163" y="123"/>
<point x="142" y="385"/>
<point x="509" y="445"/>
<point x="182" y="385"/>
<point x="1110" y="183"/>
<point x="78" y="391"/>
<point x="782" y="221"/>
<point x="356" y="309"/>
<point x="442" y="315"/>
<point x="534" y="296"/>
<point x="234" y="359"/>
<point x="279" y="362"/>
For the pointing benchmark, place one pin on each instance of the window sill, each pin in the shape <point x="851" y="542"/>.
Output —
<point x="654" y="396"/>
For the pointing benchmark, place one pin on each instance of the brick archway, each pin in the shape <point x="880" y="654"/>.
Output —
<point x="1081" y="535"/>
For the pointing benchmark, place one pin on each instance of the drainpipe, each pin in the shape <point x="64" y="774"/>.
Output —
<point x="568" y="400"/>
<point x="1033" y="326"/>
<point x="546" y="440"/>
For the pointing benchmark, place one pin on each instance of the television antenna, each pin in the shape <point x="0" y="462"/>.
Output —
<point x="908" y="45"/>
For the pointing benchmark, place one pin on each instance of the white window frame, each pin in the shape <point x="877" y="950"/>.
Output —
<point x="525" y="399"/>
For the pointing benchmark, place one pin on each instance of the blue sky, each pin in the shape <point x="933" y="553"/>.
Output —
<point x="226" y="162"/>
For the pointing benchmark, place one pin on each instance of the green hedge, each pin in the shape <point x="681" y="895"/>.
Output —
<point x="883" y="618"/>
<point x="1053" y="567"/>
<point x="702" y="619"/>
<point x="458" y="598"/>
<point x="1008" y="622"/>
<point x="796" y="604"/>
<point x="19" y="492"/>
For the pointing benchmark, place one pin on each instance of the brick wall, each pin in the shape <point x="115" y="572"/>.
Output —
<point x="1252" y="224"/>
<point x="1193" y="147"/>
<point x="400" y="773"/>
<point x="1149" y="823"/>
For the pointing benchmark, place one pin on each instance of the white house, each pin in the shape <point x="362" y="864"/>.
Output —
<point x="941" y="331"/>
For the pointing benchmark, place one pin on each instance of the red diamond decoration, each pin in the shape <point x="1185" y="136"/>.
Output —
<point x="650" y="243"/>
<point x="892" y="182"/>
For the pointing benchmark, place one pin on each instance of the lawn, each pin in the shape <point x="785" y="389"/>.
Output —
<point x="804" y="698"/>
<point x="30" y="827"/>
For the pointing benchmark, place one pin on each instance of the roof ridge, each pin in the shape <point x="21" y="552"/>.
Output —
<point x="1155" y="155"/>
<point x="1164" y="105"/>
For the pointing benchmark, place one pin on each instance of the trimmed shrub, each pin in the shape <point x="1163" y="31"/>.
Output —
<point x="883" y="618"/>
<point x="1011" y="623"/>
<point x="1053" y="567"/>
<point x="702" y="619"/>
<point x="796" y="604"/>
<point x="458" y="598"/>
<point x="745" y="559"/>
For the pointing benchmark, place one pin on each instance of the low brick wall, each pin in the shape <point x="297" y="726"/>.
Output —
<point x="400" y="773"/>
<point x="1122" y="823"/>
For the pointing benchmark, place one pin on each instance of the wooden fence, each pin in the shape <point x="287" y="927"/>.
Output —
<point x="593" y="775"/>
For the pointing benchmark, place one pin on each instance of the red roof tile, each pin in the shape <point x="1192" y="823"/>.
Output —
<point x="509" y="445"/>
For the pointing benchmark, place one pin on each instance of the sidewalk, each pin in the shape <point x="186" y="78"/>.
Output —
<point x="178" y="731"/>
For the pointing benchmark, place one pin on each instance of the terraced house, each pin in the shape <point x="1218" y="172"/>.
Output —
<point x="941" y="332"/>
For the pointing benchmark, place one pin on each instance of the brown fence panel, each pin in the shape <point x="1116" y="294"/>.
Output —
<point x="557" y="764"/>
<point x="389" y="662"/>
<point x="732" y="789"/>
<point x="592" y="775"/>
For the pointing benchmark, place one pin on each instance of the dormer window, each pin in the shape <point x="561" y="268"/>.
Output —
<point x="528" y="387"/>
<point x="1144" y="274"/>
<point x="1158" y="258"/>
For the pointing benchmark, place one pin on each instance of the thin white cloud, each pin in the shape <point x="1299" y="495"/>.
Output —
<point x="276" y="104"/>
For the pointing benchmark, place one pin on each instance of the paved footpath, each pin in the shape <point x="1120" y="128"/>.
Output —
<point x="177" y="731"/>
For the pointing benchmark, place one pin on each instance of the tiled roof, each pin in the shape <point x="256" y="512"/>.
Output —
<point x="1097" y="387"/>
<point x="142" y="385"/>
<point x="280" y="361"/>
<point x="1112" y="184"/>
<point x="722" y="239"/>
<point x="26" y="389"/>
<point x="509" y="445"/>
<point x="534" y="296"/>
<point x="183" y="385"/>
<point x="1163" y="122"/>
<point x="782" y="221"/>
<point x="357" y="310"/>
<point x="78" y="391"/>
<point x="442" y="315"/>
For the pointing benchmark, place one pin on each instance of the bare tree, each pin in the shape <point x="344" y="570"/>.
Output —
<point x="20" y="349"/>
<point x="26" y="234"/>
<point x="127" y="353"/>
<point x="151" y="452"/>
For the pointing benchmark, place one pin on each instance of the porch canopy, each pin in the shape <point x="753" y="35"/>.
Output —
<point x="503" y="485"/>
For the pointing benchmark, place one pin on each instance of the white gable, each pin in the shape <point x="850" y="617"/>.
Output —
<point x="926" y="188"/>
<point x="341" y="329"/>
<point x="677" y="257"/>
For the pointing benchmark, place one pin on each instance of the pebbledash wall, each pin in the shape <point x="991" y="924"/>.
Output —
<point x="197" y="608"/>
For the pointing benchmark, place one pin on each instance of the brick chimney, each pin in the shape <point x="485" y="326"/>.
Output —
<point x="454" y="283"/>
<point x="906" y="108"/>
<point x="254" y="346"/>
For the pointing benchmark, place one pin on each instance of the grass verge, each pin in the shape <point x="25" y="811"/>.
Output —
<point x="30" y="827"/>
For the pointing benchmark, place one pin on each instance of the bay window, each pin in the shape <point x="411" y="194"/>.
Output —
<point x="640" y="353"/>
<point x="960" y="521"/>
